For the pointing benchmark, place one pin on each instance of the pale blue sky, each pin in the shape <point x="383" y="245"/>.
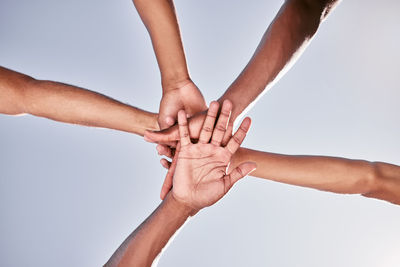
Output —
<point x="69" y="195"/>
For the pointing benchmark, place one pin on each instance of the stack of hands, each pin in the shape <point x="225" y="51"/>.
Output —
<point x="206" y="160"/>
<point x="198" y="177"/>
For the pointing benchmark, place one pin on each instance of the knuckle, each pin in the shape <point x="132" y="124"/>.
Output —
<point x="207" y="129"/>
<point x="219" y="127"/>
<point x="237" y="140"/>
<point x="215" y="142"/>
<point x="241" y="128"/>
<point x="225" y="113"/>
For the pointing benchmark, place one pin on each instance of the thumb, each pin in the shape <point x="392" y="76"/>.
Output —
<point x="167" y="185"/>
<point x="162" y="137"/>
<point x="238" y="173"/>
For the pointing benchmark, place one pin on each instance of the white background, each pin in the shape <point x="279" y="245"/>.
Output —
<point x="69" y="195"/>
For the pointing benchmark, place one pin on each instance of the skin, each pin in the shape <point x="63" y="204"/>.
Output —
<point x="200" y="180"/>
<point x="21" y="94"/>
<point x="281" y="45"/>
<point x="283" y="42"/>
<point x="179" y="92"/>
<point x="338" y="175"/>
<point x="377" y="180"/>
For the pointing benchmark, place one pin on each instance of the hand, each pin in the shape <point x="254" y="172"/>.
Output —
<point x="171" y="135"/>
<point x="185" y="96"/>
<point x="200" y="177"/>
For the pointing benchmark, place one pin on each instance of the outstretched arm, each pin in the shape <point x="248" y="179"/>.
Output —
<point x="283" y="42"/>
<point x="179" y="92"/>
<point x="339" y="175"/>
<point x="143" y="246"/>
<point x="21" y="94"/>
<point x="200" y="180"/>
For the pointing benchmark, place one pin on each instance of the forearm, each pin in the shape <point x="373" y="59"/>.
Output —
<point x="283" y="42"/>
<point x="160" y="20"/>
<point x="338" y="175"/>
<point x="65" y="103"/>
<point x="147" y="241"/>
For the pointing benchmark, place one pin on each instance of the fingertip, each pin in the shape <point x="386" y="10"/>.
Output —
<point x="227" y="103"/>
<point x="226" y="107"/>
<point x="159" y="149"/>
<point x="214" y="105"/>
<point x="246" y="123"/>
<point x="164" y="163"/>
<point x="146" y="136"/>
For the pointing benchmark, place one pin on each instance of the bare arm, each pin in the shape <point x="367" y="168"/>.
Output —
<point x="160" y="20"/>
<point x="143" y="246"/>
<point x="339" y="175"/>
<point x="200" y="181"/>
<point x="20" y="94"/>
<point x="283" y="42"/>
<point x="179" y="92"/>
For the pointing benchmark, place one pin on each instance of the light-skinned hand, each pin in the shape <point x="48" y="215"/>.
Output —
<point x="196" y="122"/>
<point x="200" y="177"/>
<point x="184" y="96"/>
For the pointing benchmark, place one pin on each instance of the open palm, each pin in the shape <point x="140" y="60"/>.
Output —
<point x="200" y="177"/>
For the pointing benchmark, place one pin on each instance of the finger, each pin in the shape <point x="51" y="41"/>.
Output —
<point x="183" y="128"/>
<point x="238" y="173"/>
<point x="167" y="185"/>
<point x="228" y="133"/>
<point x="165" y="163"/>
<point x="222" y="123"/>
<point x="162" y="137"/>
<point x="209" y="122"/>
<point x="237" y="139"/>
<point x="164" y="150"/>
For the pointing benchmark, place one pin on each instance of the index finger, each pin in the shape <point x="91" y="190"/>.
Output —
<point x="183" y="128"/>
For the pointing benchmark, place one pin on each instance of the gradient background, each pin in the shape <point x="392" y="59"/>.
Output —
<point x="69" y="195"/>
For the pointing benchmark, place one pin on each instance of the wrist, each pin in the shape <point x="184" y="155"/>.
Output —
<point x="174" y="83"/>
<point x="179" y="206"/>
<point x="152" y="122"/>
